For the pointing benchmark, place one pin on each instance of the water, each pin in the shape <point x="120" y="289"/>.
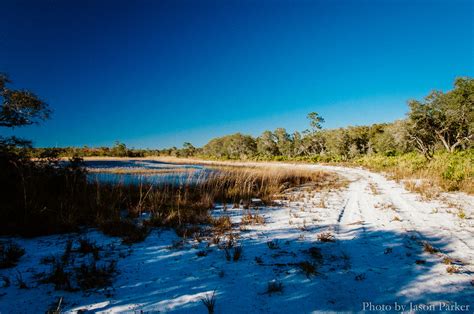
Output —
<point x="175" y="173"/>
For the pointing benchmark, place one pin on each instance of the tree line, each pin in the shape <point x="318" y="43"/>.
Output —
<point x="440" y="121"/>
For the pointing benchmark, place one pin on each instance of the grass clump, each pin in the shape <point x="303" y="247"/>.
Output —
<point x="91" y="276"/>
<point x="126" y="229"/>
<point x="10" y="254"/>
<point x="308" y="268"/>
<point x="274" y="286"/>
<point x="429" y="248"/>
<point x="326" y="237"/>
<point x="209" y="302"/>
<point x="255" y="219"/>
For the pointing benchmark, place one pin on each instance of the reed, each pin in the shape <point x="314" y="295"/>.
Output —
<point x="45" y="199"/>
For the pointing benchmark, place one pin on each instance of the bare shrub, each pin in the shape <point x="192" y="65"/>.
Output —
<point x="326" y="237"/>
<point x="209" y="302"/>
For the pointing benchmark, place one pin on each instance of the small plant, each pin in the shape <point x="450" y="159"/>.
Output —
<point x="429" y="248"/>
<point x="227" y="254"/>
<point x="373" y="189"/>
<point x="202" y="253"/>
<point x="254" y="219"/>
<point x="274" y="286"/>
<point x="308" y="268"/>
<point x="237" y="253"/>
<point x="222" y="224"/>
<point x="88" y="247"/>
<point x="452" y="269"/>
<point x="92" y="276"/>
<point x="448" y="260"/>
<point x="209" y="302"/>
<point x="67" y="252"/>
<point x="126" y="229"/>
<point x="274" y="244"/>
<point x="396" y="218"/>
<point x="10" y="254"/>
<point x="326" y="237"/>
<point x="59" y="277"/>
<point x="461" y="214"/>
<point x="6" y="282"/>
<point x="20" y="282"/>
<point x="316" y="254"/>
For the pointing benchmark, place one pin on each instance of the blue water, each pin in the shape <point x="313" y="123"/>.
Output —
<point x="175" y="178"/>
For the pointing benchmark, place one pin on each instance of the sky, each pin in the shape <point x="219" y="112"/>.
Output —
<point x="155" y="74"/>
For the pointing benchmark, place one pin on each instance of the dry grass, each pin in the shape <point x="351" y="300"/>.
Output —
<point x="426" y="189"/>
<point x="452" y="269"/>
<point x="429" y="248"/>
<point x="255" y="219"/>
<point x="326" y="237"/>
<point x="54" y="199"/>
<point x="209" y="302"/>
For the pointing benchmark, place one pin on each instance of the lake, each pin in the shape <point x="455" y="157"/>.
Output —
<point x="143" y="172"/>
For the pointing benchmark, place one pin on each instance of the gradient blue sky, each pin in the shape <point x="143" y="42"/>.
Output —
<point x="157" y="73"/>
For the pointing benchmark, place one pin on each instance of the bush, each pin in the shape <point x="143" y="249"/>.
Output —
<point x="10" y="254"/>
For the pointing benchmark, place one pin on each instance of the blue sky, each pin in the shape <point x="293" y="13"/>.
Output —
<point x="157" y="73"/>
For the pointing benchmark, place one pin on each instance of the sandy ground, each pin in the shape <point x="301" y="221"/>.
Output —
<point x="376" y="261"/>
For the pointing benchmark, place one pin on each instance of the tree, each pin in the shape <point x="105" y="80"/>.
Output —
<point x="20" y="107"/>
<point x="444" y="117"/>
<point x="420" y="128"/>
<point x="454" y="114"/>
<point x="283" y="141"/>
<point x="188" y="149"/>
<point x="315" y="121"/>
<point x="235" y="146"/>
<point x="119" y="149"/>
<point x="266" y="145"/>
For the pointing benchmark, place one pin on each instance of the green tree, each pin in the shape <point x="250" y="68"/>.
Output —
<point x="119" y="149"/>
<point x="266" y="145"/>
<point x="283" y="141"/>
<point x="188" y="150"/>
<point x="20" y="107"/>
<point x="444" y="117"/>
<point x="315" y="121"/>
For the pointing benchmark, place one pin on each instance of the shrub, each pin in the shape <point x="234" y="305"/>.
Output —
<point x="250" y="219"/>
<point x="274" y="286"/>
<point x="237" y="253"/>
<point x="308" y="268"/>
<point x="90" y="276"/>
<point x="326" y="237"/>
<point x="10" y="254"/>
<point x="429" y="248"/>
<point x="273" y="245"/>
<point x="126" y="229"/>
<point x="209" y="302"/>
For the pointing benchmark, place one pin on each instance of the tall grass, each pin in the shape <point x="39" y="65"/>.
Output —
<point x="41" y="197"/>
<point x="450" y="172"/>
